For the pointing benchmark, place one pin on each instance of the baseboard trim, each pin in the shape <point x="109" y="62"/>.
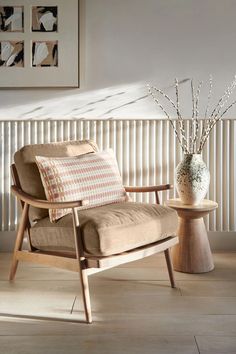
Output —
<point x="7" y="239"/>
<point x="222" y="240"/>
<point x="219" y="241"/>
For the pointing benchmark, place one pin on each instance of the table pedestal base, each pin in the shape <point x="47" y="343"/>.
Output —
<point x="193" y="253"/>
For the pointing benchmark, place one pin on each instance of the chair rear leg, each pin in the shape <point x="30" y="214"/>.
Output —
<point x="170" y="268"/>
<point x="19" y="240"/>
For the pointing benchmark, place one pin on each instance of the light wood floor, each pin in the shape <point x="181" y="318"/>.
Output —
<point x="134" y="310"/>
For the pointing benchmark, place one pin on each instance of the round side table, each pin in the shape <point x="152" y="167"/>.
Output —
<point x="193" y="253"/>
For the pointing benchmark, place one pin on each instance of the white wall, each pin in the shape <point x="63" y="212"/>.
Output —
<point x="127" y="43"/>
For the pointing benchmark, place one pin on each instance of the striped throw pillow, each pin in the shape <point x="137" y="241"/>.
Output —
<point x="94" y="177"/>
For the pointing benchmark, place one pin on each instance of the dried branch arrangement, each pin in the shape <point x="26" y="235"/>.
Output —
<point x="194" y="141"/>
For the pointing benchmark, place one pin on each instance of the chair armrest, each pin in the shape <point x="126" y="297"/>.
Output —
<point x="145" y="189"/>
<point x="44" y="204"/>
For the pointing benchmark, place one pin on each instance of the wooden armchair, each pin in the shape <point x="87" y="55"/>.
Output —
<point x="78" y="256"/>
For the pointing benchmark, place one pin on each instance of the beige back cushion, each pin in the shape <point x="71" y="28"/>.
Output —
<point x="28" y="172"/>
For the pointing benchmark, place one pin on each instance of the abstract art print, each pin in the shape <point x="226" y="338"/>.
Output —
<point x="39" y="43"/>
<point x="11" y="18"/>
<point x="44" y="19"/>
<point x="12" y="53"/>
<point x="44" y="53"/>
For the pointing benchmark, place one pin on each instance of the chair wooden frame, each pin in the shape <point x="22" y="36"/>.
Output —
<point x="82" y="263"/>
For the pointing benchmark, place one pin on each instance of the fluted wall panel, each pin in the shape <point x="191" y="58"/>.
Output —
<point x="147" y="153"/>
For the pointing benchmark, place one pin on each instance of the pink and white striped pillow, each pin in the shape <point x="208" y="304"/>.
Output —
<point x="94" y="177"/>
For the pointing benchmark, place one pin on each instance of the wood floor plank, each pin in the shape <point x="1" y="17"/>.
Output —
<point x="211" y="288"/>
<point x="175" y="324"/>
<point x="216" y="345"/>
<point x="102" y="344"/>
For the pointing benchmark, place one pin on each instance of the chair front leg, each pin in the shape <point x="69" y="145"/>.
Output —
<point x="86" y="295"/>
<point x="19" y="240"/>
<point x="82" y="269"/>
<point x="170" y="268"/>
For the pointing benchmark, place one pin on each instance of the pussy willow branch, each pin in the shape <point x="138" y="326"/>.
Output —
<point x="214" y="123"/>
<point x="193" y="115"/>
<point x="215" y="115"/>
<point x="207" y="108"/>
<point x="180" y="118"/>
<point x="196" y="116"/>
<point x="164" y="95"/>
<point x="209" y="95"/>
<point x="223" y="103"/>
<point x="224" y="97"/>
<point x="206" y="134"/>
<point x="182" y="132"/>
<point x="229" y="107"/>
<point x="177" y="99"/>
<point x="167" y="115"/>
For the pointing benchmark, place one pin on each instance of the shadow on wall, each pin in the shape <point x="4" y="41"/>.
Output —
<point x="126" y="101"/>
<point x="118" y="102"/>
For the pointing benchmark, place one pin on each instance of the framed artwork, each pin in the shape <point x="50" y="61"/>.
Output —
<point x="39" y="43"/>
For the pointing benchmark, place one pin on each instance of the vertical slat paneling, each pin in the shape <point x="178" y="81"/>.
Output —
<point x="172" y="158"/>
<point x="6" y="176"/>
<point x="2" y="172"/>
<point x="165" y="158"/>
<point x="113" y="136"/>
<point x="232" y="175"/>
<point x="105" y="134"/>
<point x="212" y="168"/>
<point x="152" y="158"/>
<point x="138" y="158"/>
<point x="178" y="155"/>
<point x="12" y="149"/>
<point x="205" y="156"/>
<point x="99" y="137"/>
<point x="119" y="145"/>
<point x="225" y="176"/>
<point x="159" y="155"/>
<point x="219" y="175"/>
<point x="132" y="154"/>
<point x="125" y="157"/>
<point x="146" y="150"/>
<point x="145" y="158"/>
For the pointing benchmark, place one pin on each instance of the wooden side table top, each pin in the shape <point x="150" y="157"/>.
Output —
<point x="205" y="205"/>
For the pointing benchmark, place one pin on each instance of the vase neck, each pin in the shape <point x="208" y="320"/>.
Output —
<point x="190" y="157"/>
<point x="192" y="154"/>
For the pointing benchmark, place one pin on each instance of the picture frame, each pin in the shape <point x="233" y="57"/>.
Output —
<point x="39" y="43"/>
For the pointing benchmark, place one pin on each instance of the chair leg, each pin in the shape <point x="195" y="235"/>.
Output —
<point x="82" y="269"/>
<point x="19" y="240"/>
<point x="170" y="268"/>
<point x="86" y="295"/>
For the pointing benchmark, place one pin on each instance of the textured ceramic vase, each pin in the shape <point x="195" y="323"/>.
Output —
<point x="192" y="179"/>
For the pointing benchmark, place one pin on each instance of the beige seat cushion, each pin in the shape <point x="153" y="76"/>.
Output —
<point x="109" y="229"/>
<point x="28" y="172"/>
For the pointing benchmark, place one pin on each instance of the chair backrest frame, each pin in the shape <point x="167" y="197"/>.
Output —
<point x="16" y="182"/>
